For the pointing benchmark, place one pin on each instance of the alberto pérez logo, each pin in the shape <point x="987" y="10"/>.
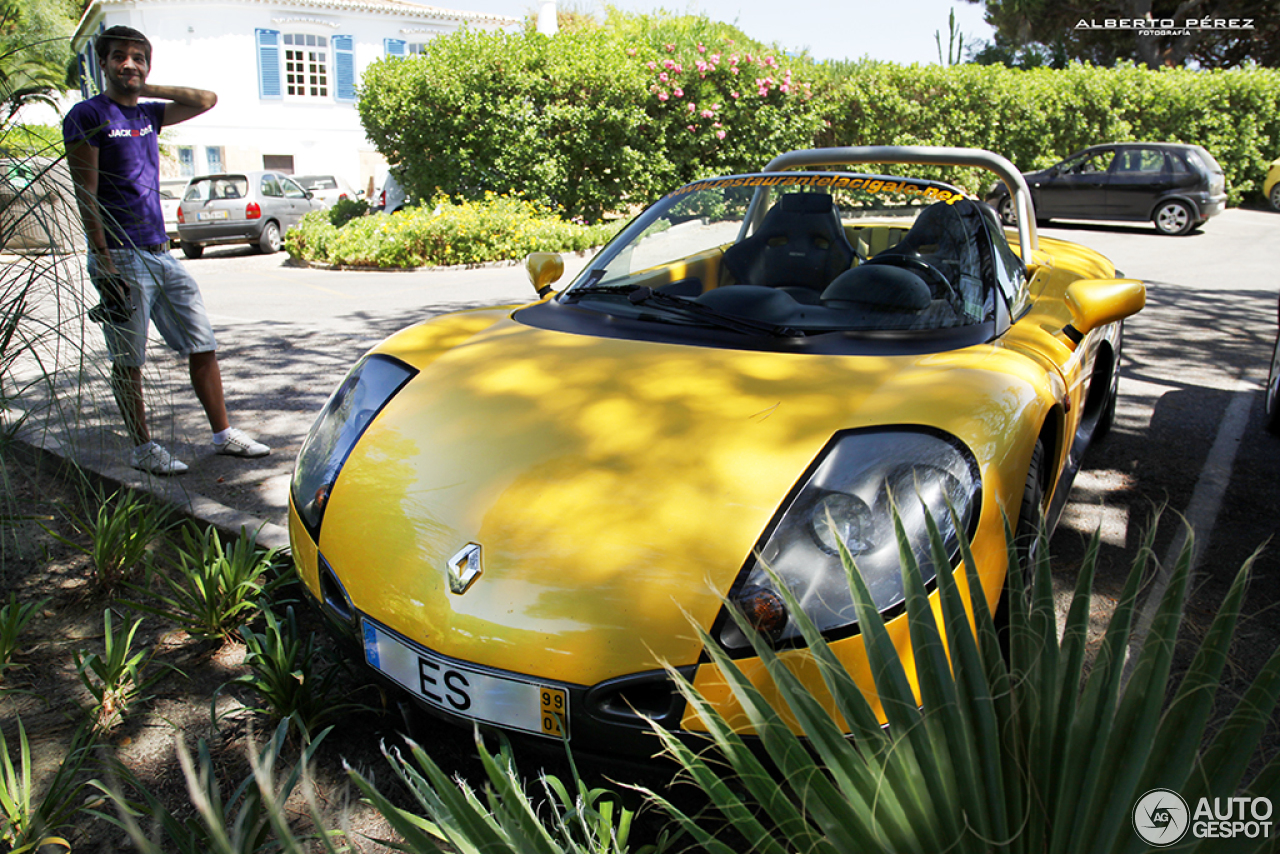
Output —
<point x="1161" y="818"/>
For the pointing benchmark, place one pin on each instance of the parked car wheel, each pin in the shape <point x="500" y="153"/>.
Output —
<point x="269" y="242"/>
<point x="1173" y="218"/>
<point x="1273" y="391"/>
<point x="192" y="250"/>
<point x="1008" y="213"/>
<point x="1275" y="198"/>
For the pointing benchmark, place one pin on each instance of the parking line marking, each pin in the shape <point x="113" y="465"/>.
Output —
<point x="1200" y="515"/>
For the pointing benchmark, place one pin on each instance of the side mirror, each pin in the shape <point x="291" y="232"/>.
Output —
<point x="1097" y="302"/>
<point x="544" y="269"/>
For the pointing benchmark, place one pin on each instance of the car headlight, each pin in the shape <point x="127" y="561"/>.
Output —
<point x="366" y="390"/>
<point x="848" y="496"/>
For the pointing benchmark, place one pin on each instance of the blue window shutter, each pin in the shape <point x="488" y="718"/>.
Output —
<point x="395" y="47"/>
<point x="344" y="62"/>
<point x="269" y="64"/>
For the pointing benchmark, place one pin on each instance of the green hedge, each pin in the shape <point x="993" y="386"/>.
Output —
<point x="602" y="118"/>
<point x="496" y="228"/>
<point x="592" y="121"/>
<point x="1037" y="117"/>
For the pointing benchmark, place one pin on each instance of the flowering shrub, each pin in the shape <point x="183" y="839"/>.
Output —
<point x="558" y="121"/>
<point x="496" y="228"/>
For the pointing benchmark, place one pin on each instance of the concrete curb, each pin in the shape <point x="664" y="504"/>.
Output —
<point x="194" y="506"/>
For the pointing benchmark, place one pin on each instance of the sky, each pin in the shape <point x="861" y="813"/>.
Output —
<point x="899" y="31"/>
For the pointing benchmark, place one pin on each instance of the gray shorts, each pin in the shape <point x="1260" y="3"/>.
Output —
<point x="163" y="293"/>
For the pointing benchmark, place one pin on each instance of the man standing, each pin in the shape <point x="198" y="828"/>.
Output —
<point x="112" y="149"/>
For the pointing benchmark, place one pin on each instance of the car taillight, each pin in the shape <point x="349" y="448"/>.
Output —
<point x="382" y="199"/>
<point x="181" y="218"/>
<point x="252" y="211"/>
<point x="341" y="197"/>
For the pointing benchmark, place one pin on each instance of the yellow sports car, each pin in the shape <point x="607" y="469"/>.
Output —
<point x="520" y="513"/>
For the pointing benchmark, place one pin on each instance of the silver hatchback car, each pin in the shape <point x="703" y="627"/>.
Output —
<point x="247" y="207"/>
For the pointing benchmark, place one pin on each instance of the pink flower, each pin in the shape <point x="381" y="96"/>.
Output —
<point x="702" y="48"/>
<point x="715" y="106"/>
<point x="692" y="107"/>
<point x="733" y="59"/>
<point x="719" y="134"/>
<point x="662" y="96"/>
<point x="715" y="57"/>
<point x="734" y="95"/>
<point x="663" y="77"/>
<point x="631" y="51"/>
<point x="668" y="64"/>
<point x="670" y="48"/>
<point x="706" y="114"/>
<point x="652" y="66"/>
<point x="679" y="68"/>
<point x="702" y="66"/>
<point x="678" y="92"/>
<point x="734" y="70"/>
<point x="691" y="128"/>
<point x="770" y="62"/>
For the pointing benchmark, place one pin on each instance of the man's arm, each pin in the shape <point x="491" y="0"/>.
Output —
<point x="82" y="158"/>
<point x="184" y="102"/>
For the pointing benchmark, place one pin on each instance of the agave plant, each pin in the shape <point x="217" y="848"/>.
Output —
<point x="1042" y="751"/>
<point x="216" y="589"/>
<point x="244" y="823"/>
<point x="31" y="819"/>
<point x="287" y="673"/>
<point x="1037" y="753"/>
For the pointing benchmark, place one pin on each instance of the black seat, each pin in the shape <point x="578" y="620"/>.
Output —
<point x="800" y="247"/>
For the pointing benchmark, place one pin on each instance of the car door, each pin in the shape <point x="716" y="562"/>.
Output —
<point x="1138" y="176"/>
<point x="1076" y="187"/>
<point x="299" y="202"/>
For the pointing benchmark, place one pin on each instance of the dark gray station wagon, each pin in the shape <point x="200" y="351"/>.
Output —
<point x="1175" y="186"/>
<point x="248" y="207"/>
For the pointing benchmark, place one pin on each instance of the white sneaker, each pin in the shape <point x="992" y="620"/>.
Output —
<point x="239" y="444"/>
<point x="153" y="458"/>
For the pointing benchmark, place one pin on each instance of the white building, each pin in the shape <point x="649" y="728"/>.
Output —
<point x="285" y="71"/>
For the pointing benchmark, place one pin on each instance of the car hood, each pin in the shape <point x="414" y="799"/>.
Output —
<point x="614" y="486"/>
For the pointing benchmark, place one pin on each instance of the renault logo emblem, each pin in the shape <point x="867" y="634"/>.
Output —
<point x="464" y="568"/>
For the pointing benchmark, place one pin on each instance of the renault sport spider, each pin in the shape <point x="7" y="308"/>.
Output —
<point x="520" y="514"/>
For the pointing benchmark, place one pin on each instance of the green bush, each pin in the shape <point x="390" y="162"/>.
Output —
<point x="497" y="228"/>
<point x="1036" y="117"/>
<point x="560" y="121"/>
<point x="601" y="118"/>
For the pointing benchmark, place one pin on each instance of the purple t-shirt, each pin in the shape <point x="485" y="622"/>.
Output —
<point x="128" y="166"/>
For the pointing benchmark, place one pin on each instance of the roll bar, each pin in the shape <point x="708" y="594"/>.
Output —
<point x="1028" y="239"/>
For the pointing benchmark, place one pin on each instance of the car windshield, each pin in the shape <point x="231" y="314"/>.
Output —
<point x="807" y="253"/>
<point x="217" y="187"/>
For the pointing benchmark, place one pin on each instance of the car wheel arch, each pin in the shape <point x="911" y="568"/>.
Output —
<point x="1190" y="203"/>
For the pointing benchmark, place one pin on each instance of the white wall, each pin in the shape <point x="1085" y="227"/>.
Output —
<point x="211" y="45"/>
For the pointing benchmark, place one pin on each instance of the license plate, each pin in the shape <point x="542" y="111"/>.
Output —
<point x="462" y="689"/>
<point x="201" y="216"/>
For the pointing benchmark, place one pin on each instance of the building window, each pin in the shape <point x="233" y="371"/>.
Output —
<point x="213" y="155"/>
<point x="186" y="161"/>
<point x="417" y="48"/>
<point x="306" y="66"/>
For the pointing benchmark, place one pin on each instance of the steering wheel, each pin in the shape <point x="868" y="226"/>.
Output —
<point x="938" y="284"/>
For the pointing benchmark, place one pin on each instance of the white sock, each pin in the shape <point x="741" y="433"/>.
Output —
<point x="222" y="436"/>
<point x="145" y="446"/>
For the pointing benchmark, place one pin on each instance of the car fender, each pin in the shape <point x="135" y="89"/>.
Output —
<point x="1176" y="197"/>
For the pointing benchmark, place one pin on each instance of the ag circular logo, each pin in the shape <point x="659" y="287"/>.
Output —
<point x="1161" y="818"/>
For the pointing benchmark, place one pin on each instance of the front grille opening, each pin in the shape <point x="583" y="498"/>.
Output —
<point x="632" y="699"/>
<point x="332" y="593"/>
